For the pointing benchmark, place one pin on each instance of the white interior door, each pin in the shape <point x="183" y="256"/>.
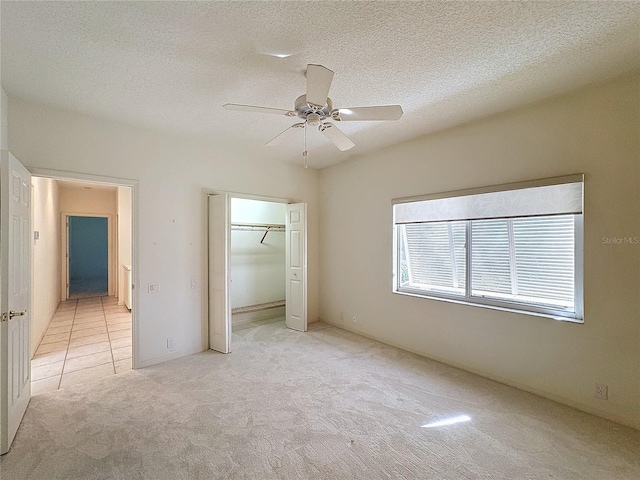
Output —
<point x="219" y="302"/>
<point x="296" y="266"/>
<point x="15" y="286"/>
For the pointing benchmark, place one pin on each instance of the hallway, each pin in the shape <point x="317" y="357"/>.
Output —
<point x="87" y="338"/>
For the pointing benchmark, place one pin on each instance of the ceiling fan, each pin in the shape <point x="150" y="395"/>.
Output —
<point x="315" y="108"/>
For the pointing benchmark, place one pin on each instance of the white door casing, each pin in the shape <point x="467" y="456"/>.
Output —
<point x="15" y="236"/>
<point x="67" y="279"/>
<point x="219" y="299"/>
<point x="296" y="266"/>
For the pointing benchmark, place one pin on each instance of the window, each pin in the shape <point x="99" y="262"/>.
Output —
<point x="516" y="247"/>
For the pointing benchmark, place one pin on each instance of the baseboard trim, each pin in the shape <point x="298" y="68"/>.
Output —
<point x="541" y="393"/>
<point x="44" y="331"/>
<point x="172" y="356"/>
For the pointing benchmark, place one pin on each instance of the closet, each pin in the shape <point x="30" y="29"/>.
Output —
<point x="257" y="262"/>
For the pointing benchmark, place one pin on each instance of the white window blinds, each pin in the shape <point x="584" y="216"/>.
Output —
<point x="434" y="256"/>
<point x="517" y="247"/>
<point x="529" y="260"/>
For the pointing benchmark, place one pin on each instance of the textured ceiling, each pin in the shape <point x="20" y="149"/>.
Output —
<point x="172" y="65"/>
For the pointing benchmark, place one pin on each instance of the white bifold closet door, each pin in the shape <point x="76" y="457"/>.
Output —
<point x="219" y="299"/>
<point x="296" y="266"/>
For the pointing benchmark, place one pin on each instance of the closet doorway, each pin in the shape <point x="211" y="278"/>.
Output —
<point x="257" y="262"/>
<point x="257" y="265"/>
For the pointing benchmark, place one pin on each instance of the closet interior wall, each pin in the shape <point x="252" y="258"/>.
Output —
<point x="257" y="261"/>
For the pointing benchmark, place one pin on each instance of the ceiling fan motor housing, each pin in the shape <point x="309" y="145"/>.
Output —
<point x="311" y="113"/>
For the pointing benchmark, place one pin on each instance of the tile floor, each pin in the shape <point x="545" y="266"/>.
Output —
<point x="87" y="338"/>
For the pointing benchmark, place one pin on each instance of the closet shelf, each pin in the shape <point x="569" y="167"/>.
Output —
<point x="259" y="227"/>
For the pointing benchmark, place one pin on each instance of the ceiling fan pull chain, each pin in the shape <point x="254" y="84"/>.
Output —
<point x="305" y="153"/>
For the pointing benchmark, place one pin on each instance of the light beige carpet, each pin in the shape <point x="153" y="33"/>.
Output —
<point x="325" y="404"/>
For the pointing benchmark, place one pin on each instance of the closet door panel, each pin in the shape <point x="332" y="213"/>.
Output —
<point x="219" y="300"/>
<point x="296" y="266"/>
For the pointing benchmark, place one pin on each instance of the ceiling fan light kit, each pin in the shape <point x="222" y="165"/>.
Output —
<point x="315" y="108"/>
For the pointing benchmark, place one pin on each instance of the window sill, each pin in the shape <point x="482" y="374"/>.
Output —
<point x="494" y="307"/>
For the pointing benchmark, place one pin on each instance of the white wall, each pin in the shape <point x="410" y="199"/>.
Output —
<point x="124" y="238"/>
<point x="594" y="131"/>
<point x="4" y="121"/>
<point x="257" y="269"/>
<point x="172" y="171"/>
<point x="45" y="276"/>
<point x="77" y="199"/>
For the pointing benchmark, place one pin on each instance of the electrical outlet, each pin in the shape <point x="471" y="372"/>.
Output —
<point x="355" y="319"/>
<point x="602" y="391"/>
<point x="170" y="344"/>
<point x="194" y="283"/>
<point x="154" y="287"/>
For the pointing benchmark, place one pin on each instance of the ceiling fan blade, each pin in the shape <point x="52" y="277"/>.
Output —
<point x="381" y="112"/>
<point x="255" y="109"/>
<point x="288" y="133"/>
<point x="318" y="83"/>
<point x="336" y="136"/>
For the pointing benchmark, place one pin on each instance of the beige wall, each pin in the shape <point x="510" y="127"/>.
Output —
<point x="172" y="171"/>
<point x="592" y="131"/>
<point x="4" y="121"/>
<point x="124" y="237"/>
<point x="96" y="200"/>
<point x="77" y="199"/>
<point x="45" y="278"/>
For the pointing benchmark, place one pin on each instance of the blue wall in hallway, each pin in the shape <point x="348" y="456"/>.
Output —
<point x="89" y="254"/>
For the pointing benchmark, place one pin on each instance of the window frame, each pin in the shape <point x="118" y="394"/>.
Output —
<point x="576" y="315"/>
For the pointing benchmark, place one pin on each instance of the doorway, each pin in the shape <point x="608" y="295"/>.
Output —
<point x="83" y="322"/>
<point x="31" y="231"/>
<point x="87" y="256"/>
<point x="257" y="265"/>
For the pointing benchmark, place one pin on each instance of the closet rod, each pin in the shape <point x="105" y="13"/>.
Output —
<point x="273" y="227"/>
